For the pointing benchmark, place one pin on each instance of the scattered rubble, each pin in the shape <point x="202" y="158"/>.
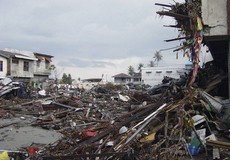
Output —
<point x="9" y="89"/>
<point x="168" y="121"/>
<point x="186" y="118"/>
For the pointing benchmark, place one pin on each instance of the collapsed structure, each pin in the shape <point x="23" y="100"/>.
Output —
<point x="202" y="22"/>
<point x="186" y="118"/>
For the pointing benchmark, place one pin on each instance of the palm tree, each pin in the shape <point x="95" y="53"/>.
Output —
<point x="157" y="57"/>
<point x="140" y="66"/>
<point x="130" y="70"/>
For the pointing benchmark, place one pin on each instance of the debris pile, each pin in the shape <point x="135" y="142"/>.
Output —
<point x="168" y="121"/>
<point x="189" y="23"/>
<point x="186" y="118"/>
<point x="10" y="89"/>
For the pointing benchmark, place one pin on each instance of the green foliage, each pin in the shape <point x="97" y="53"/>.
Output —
<point x="66" y="79"/>
<point x="52" y="67"/>
<point x="140" y="66"/>
<point x="157" y="57"/>
<point x="131" y="70"/>
<point x="70" y="79"/>
<point x="151" y="64"/>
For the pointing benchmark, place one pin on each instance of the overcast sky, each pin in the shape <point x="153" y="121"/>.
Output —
<point x="89" y="38"/>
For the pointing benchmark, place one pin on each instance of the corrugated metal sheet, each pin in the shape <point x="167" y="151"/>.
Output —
<point x="215" y="104"/>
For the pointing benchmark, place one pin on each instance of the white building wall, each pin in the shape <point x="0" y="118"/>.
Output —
<point x="122" y="81"/>
<point x="4" y="72"/>
<point x="214" y="14"/>
<point x="154" y="75"/>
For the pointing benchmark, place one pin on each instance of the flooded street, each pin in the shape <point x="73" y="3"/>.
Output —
<point x="20" y="134"/>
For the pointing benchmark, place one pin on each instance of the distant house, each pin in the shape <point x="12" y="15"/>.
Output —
<point x="92" y="80"/>
<point x="89" y="83"/>
<point x="136" y="78"/>
<point x="42" y="64"/>
<point x="122" y="78"/>
<point x="16" y="65"/>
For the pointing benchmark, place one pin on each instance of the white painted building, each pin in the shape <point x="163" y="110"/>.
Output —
<point x="16" y="65"/>
<point x="24" y="65"/>
<point x="123" y="78"/>
<point x="89" y="83"/>
<point x="3" y="68"/>
<point x="154" y="75"/>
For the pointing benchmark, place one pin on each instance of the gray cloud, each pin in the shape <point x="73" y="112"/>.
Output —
<point x="105" y="29"/>
<point x="84" y="63"/>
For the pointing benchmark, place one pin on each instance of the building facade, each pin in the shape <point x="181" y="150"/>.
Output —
<point x="16" y="65"/>
<point x="24" y="67"/>
<point x="42" y="66"/>
<point x="154" y="75"/>
<point x="3" y="64"/>
<point x="216" y="19"/>
<point x="122" y="78"/>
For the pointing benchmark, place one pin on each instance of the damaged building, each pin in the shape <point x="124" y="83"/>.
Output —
<point x="25" y="67"/>
<point x="184" y="118"/>
<point x="42" y="66"/>
<point x="203" y="22"/>
<point x="17" y="65"/>
<point x="20" y="70"/>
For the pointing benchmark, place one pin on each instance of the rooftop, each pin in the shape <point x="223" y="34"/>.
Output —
<point x="122" y="75"/>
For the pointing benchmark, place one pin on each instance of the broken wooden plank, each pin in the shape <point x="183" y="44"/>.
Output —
<point x="9" y="124"/>
<point x="175" y="39"/>
<point x="163" y="5"/>
<point x="218" y="144"/>
<point x="146" y="121"/>
<point x="67" y="106"/>
<point x="180" y="48"/>
<point x="173" y="26"/>
<point x="43" y="99"/>
<point x="92" y="155"/>
<point x="172" y="14"/>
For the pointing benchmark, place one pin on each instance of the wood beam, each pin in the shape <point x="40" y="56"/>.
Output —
<point x="218" y="144"/>
<point x="175" y="39"/>
<point x="172" y="14"/>
<point x="164" y="5"/>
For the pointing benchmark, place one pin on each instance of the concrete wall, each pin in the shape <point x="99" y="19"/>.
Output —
<point x="40" y="78"/>
<point x="214" y="15"/>
<point x="122" y="80"/>
<point x="17" y="70"/>
<point x="136" y="80"/>
<point x="154" y="75"/>
<point x="4" y="72"/>
<point x="41" y="69"/>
